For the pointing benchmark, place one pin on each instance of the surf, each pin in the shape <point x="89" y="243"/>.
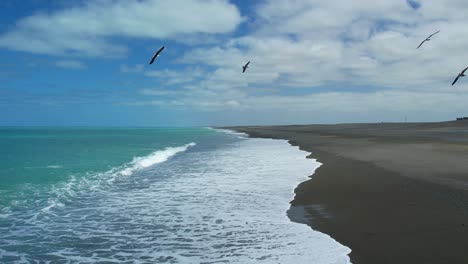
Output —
<point x="139" y="163"/>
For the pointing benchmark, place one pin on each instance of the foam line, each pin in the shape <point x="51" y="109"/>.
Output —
<point x="156" y="157"/>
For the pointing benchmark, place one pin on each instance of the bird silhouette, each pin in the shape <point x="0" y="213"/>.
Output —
<point x="427" y="39"/>
<point x="461" y="74"/>
<point x="156" y="55"/>
<point x="244" y="68"/>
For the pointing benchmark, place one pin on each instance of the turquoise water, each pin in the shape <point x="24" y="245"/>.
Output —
<point x="40" y="157"/>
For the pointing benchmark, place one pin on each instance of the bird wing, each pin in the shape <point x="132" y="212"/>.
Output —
<point x="463" y="72"/>
<point x="456" y="79"/>
<point x="428" y="38"/>
<point x="421" y="43"/>
<point x="154" y="57"/>
<point x="433" y="34"/>
<point x="245" y="66"/>
<point x="159" y="51"/>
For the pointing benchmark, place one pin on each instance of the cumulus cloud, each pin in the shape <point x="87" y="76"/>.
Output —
<point x="343" y="46"/>
<point x="365" y="42"/>
<point x="307" y="56"/>
<point x="90" y="29"/>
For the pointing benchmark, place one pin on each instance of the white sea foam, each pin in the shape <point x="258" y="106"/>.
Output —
<point x="156" y="157"/>
<point x="220" y="205"/>
<point x="52" y="203"/>
<point x="96" y="181"/>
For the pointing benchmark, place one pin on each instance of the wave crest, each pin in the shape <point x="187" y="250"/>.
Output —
<point x="156" y="157"/>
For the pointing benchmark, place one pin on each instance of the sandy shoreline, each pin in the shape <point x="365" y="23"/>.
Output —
<point x="393" y="193"/>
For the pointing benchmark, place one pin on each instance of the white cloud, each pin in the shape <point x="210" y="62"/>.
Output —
<point x="70" y="64"/>
<point x="364" y="51"/>
<point x="88" y="29"/>
<point x="342" y="45"/>
<point x="336" y="106"/>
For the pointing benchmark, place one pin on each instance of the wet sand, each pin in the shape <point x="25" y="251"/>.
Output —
<point x="392" y="192"/>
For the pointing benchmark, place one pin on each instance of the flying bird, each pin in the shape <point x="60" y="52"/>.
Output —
<point x="156" y="55"/>
<point x="245" y="67"/>
<point x="461" y="74"/>
<point x="428" y="38"/>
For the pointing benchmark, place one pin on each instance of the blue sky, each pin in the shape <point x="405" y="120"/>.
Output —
<point x="85" y="63"/>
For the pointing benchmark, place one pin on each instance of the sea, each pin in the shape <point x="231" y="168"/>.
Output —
<point x="153" y="195"/>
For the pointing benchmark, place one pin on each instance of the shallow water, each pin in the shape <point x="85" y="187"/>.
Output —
<point x="219" y="198"/>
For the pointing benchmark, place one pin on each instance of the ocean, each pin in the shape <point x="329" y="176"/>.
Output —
<point x="153" y="195"/>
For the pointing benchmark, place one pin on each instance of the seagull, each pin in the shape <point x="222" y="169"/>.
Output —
<point x="428" y="38"/>
<point x="245" y="67"/>
<point x="156" y="55"/>
<point x="461" y="74"/>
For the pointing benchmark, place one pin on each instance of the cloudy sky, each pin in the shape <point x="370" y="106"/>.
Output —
<point x="85" y="63"/>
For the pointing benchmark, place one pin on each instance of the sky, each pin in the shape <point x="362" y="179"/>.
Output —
<point x="85" y="63"/>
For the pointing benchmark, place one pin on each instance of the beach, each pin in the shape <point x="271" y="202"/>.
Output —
<point x="392" y="192"/>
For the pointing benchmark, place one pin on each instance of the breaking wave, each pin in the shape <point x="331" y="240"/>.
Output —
<point x="156" y="157"/>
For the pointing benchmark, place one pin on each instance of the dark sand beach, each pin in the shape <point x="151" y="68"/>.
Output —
<point x="392" y="192"/>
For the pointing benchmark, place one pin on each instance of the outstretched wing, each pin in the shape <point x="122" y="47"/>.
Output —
<point x="456" y="79"/>
<point x="428" y="38"/>
<point x="246" y="65"/>
<point x="159" y="51"/>
<point x="433" y="34"/>
<point x="421" y="43"/>
<point x="154" y="57"/>
<point x="463" y="72"/>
